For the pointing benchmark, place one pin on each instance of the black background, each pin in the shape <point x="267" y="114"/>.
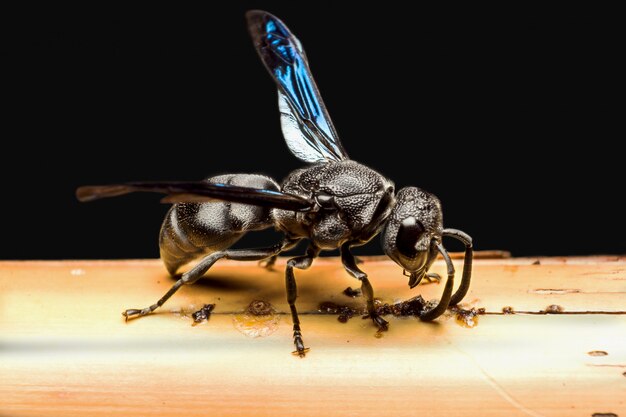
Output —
<point x="510" y="116"/>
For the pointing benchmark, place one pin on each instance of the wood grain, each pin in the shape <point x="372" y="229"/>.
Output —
<point x="66" y="350"/>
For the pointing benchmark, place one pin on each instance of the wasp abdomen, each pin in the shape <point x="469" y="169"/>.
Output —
<point x="191" y="230"/>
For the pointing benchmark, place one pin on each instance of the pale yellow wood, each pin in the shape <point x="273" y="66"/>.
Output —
<point x="66" y="350"/>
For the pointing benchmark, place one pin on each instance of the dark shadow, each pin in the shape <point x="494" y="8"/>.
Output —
<point x="226" y="282"/>
<point x="234" y="283"/>
<point x="434" y="324"/>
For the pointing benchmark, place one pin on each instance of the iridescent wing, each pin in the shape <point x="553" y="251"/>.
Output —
<point x="306" y="126"/>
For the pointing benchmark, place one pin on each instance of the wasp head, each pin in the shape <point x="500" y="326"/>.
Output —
<point x="412" y="232"/>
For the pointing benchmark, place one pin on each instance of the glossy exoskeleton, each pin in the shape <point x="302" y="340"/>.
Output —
<point x="333" y="203"/>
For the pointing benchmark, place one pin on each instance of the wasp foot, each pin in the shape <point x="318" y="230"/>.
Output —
<point x="300" y="351"/>
<point x="381" y="323"/>
<point x="134" y="313"/>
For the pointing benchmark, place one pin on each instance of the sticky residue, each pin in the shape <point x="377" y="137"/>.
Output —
<point x="597" y="353"/>
<point x="259" y="319"/>
<point x="467" y="318"/>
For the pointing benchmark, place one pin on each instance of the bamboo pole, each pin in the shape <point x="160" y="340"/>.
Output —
<point x="67" y="351"/>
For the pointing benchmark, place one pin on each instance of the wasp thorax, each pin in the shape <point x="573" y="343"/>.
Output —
<point x="414" y="227"/>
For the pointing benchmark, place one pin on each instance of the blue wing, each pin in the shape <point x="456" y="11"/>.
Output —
<point x="307" y="128"/>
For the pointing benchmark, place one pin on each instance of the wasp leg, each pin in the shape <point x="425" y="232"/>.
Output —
<point x="440" y="308"/>
<point x="207" y="262"/>
<point x="268" y="263"/>
<point x="300" y="262"/>
<point x="467" y="263"/>
<point x="433" y="276"/>
<point x="350" y="264"/>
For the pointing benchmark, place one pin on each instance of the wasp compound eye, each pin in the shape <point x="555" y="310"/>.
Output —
<point x="409" y="232"/>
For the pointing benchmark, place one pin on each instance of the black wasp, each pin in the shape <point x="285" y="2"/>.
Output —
<point x="333" y="203"/>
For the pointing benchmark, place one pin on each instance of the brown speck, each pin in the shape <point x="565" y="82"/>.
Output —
<point x="345" y="312"/>
<point x="537" y="262"/>
<point x="481" y="311"/>
<point x="624" y="373"/>
<point x="351" y="292"/>
<point x="343" y="318"/>
<point x="328" y="307"/>
<point x="259" y="308"/>
<point x="604" y="415"/>
<point x="554" y="309"/>
<point x="508" y="310"/>
<point x="411" y="307"/>
<point x="158" y="282"/>
<point x="597" y="353"/>
<point x="203" y="314"/>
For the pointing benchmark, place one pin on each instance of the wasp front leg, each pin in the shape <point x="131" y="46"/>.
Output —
<point x="440" y="308"/>
<point x="467" y="263"/>
<point x="350" y="264"/>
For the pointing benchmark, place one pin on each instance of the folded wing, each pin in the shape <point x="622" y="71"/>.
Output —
<point x="199" y="191"/>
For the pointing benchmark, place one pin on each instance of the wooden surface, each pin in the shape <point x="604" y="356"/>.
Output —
<point x="66" y="350"/>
